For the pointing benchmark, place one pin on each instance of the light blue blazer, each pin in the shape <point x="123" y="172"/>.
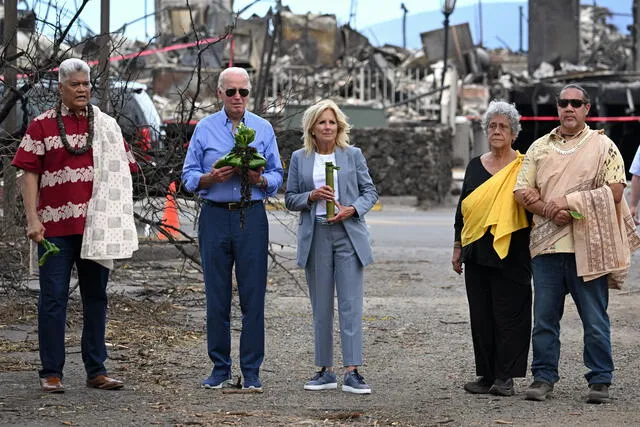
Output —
<point x="355" y="188"/>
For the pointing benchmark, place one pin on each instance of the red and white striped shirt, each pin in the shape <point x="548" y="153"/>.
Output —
<point x="66" y="180"/>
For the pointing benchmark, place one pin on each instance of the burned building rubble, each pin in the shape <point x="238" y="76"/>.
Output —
<point x="604" y="68"/>
<point x="599" y="57"/>
<point x="297" y="59"/>
<point x="307" y="57"/>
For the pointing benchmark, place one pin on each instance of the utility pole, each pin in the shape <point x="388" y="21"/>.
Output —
<point x="352" y="14"/>
<point x="10" y="125"/>
<point x="105" y="47"/>
<point x="593" y="22"/>
<point x="480" y="19"/>
<point x="404" y="25"/>
<point x="521" y="26"/>
<point x="636" y="34"/>
<point x="146" y="19"/>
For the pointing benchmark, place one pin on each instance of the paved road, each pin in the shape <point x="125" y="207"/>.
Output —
<point x="391" y="229"/>
<point x="394" y="227"/>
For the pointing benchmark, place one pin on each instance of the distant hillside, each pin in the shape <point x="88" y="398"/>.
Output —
<point x="500" y="24"/>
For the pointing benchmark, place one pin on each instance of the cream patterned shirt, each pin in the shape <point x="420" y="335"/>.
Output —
<point x="614" y="171"/>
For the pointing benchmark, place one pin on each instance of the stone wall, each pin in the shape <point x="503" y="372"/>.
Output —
<point x="402" y="161"/>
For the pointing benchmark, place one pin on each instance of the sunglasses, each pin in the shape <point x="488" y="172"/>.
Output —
<point x="575" y="103"/>
<point x="232" y="91"/>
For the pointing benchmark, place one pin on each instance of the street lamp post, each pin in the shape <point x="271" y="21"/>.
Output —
<point x="447" y="7"/>
<point x="404" y="25"/>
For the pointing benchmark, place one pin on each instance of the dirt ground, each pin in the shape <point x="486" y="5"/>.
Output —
<point x="417" y="348"/>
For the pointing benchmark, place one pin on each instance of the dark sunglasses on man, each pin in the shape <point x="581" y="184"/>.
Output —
<point x="232" y="91"/>
<point x="575" y="103"/>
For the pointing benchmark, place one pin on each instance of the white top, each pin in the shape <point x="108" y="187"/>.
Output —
<point x="319" y="178"/>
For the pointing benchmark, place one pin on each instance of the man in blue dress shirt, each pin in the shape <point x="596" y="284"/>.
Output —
<point x="222" y="240"/>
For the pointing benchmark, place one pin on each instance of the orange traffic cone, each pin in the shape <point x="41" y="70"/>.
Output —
<point x="170" y="215"/>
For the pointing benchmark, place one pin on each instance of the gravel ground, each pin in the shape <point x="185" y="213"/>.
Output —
<point x="417" y="345"/>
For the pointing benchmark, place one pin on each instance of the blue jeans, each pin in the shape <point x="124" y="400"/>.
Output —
<point x="222" y="244"/>
<point x="554" y="276"/>
<point x="55" y="275"/>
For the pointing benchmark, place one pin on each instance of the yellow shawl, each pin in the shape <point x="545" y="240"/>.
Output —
<point x="493" y="205"/>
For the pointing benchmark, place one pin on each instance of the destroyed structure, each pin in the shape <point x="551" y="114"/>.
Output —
<point x="295" y="60"/>
<point x="298" y="59"/>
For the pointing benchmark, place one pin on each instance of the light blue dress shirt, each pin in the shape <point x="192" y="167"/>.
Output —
<point x="635" y="165"/>
<point x="212" y="139"/>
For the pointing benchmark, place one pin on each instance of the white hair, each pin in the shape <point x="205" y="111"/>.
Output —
<point x="501" y="108"/>
<point x="72" y="65"/>
<point x="233" y="70"/>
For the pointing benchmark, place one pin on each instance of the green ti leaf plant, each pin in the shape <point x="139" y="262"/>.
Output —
<point x="576" y="214"/>
<point x="241" y="152"/>
<point x="50" y="249"/>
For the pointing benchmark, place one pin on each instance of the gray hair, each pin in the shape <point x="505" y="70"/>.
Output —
<point x="585" y="94"/>
<point x="72" y="65"/>
<point x="497" y="108"/>
<point x="233" y="70"/>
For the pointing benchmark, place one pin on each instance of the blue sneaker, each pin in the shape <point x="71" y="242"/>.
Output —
<point x="354" y="383"/>
<point x="252" y="383"/>
<point x="217" y="381"/>
<point x="323" y="380"/>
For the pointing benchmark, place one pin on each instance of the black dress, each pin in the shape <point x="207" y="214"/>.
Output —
<point x="499" y="293"/>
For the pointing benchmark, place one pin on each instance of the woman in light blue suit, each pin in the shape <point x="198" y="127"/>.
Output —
<point x="333" y="251"/>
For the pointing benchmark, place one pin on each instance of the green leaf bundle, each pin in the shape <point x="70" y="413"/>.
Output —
<point x="242" y="155"/>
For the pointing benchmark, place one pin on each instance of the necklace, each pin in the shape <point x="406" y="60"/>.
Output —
<point x="572" y="149"/>
<point x="63" y="133"/>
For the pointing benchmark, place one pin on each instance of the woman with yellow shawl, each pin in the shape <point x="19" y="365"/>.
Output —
<point x="492" y="239"/>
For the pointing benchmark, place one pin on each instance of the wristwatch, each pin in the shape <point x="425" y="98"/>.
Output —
<point x="262" y="183"/>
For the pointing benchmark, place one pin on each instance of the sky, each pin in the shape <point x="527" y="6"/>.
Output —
<point x="367" y="12"/>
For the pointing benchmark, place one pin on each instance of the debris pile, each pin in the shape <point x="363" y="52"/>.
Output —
<point x="296" y="59"/>
<point x="602" y="47"/>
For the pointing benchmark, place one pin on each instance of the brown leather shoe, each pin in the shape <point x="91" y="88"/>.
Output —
<point x="51" y="385"/>
<point x="103" y="382"/>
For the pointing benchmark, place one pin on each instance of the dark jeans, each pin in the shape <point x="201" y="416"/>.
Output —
<point x="500" y="314"/>
<point x="555" y="276"/>
<point x="55" y="275"/>
<point x="224" y="244"/>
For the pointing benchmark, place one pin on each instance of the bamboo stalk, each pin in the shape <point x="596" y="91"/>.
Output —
<point x="328" y="169"/>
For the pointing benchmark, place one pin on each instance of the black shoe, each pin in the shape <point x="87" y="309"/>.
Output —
<point x="480" y="386"/>
<point x="538" y="390"/>
<point x="502" y="387"/>
<point x="598" y="393"/>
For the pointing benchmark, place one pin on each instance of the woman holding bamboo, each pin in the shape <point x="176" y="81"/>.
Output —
<point x="329" y="184"/>
<point x="492" y="239"/>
